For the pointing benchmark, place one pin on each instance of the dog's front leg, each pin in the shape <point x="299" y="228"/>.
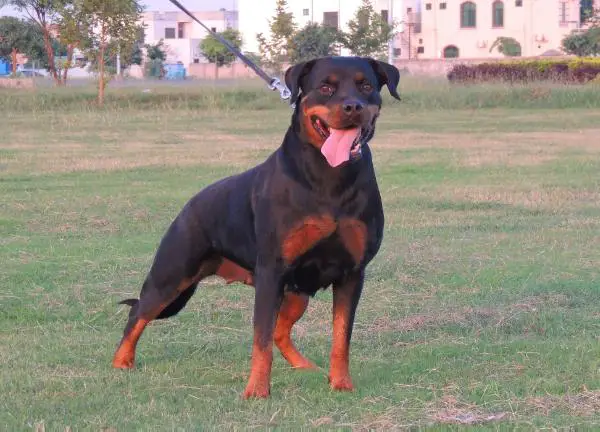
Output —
<point x="267" y="299"/>
<point x="345" y="300"/>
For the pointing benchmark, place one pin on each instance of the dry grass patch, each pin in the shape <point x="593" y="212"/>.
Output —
<point x="498" y="149"/>
<point x="553" y="198"/>
<point x="450" y="410"/>
<point x="584" y="404"/>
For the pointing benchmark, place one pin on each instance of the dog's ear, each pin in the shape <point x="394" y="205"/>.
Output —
<point x="387" y="75"/>
<point x="293" y="78"/>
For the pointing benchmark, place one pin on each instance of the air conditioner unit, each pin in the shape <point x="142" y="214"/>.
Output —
<point x="540" y="38"/>
<point x="482" y="44"/>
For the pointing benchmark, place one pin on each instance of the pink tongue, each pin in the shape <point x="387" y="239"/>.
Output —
<point x="336" y="148"/>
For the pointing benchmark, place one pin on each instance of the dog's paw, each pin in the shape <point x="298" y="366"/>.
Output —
<point x="341" y="383"/>
<point x="123" y="361"/>
<point x="258" y="391"/>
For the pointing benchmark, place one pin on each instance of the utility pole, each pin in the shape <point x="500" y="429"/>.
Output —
<point x="391" y="23"/>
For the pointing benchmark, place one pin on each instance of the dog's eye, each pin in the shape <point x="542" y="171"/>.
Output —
<point x="366" y="87"/>
<point x="326" y="89"/>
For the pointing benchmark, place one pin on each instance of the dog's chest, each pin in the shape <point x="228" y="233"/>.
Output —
<point x="348" y="233"/>
<point x="321" y="250"/>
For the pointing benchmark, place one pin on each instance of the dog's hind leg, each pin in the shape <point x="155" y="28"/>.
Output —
<point x="292" y="309"/>
<point x="181" y="261"/>
<point x="150" y="306"/>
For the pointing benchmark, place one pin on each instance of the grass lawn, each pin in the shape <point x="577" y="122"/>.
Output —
<point x="482" y="306"/>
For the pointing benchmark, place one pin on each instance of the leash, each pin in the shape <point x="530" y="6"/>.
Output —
<point x="274" y="83"/>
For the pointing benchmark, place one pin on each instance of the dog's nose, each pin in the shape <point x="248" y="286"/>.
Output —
<point x="352" y="107"/>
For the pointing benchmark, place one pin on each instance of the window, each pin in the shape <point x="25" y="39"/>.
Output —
<point x="518" y="3"/>
<point x="397" y="52"/>
<point x="563" y="13"/>
<point x="330" y="19"/>
<point x="427" y="6"/>
<point x="420" y="50"/>
<point x="451" y="51"/>
<point x="420" y="41"/>
<point x="181" y="30"/>
<point x="169" y="32"/>
<point x="213" y="29"/>
<point x="305" y="12"/>
<point x="385" y="16"/>
<point x="408" y="10"/>
<point x="468" y="15"/>
<point x="442" y="6"/>
<point x="498" y="14"/>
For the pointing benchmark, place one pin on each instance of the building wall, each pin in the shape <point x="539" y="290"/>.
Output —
<point x="538" y="25"/>
<point x="185" y="49"/>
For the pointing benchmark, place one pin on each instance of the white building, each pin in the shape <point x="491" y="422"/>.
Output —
<point x="254" y="15"/>
<point x="182" y="35"/>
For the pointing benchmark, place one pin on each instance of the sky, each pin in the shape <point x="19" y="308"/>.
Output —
<point x="166" y="5"/>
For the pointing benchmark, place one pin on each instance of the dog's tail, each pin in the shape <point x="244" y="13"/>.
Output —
<point x="129" y="302"/>
<point x="172" y="309"/>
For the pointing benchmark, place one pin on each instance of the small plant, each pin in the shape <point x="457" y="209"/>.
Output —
<point x="507" y="46"/>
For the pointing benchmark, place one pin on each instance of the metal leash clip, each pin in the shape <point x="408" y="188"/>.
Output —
<point x="283" y="90"/>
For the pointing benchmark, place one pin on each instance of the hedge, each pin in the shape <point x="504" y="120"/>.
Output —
<point x="580" y="70"/>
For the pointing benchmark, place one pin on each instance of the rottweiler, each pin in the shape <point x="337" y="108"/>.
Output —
<point x="308" y="217"/>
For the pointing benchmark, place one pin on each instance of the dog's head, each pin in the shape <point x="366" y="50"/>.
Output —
<point x="338" y="101"/>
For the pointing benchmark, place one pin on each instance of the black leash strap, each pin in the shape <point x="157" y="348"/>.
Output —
<point x="274" y="83"/>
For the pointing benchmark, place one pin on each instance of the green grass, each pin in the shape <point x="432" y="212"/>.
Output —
<point x="482" y="305"/>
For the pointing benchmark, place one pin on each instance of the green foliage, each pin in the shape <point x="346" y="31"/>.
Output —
<point x="155" y="56"/>
<point x="20" y="36"/>
<point x="277" y="48"/>
<point x="507" y="46"/>
<point x="106" y="28"/>
<point x="137" y="55"/>
<point x="583" y="44"/>
<point x="218" y="53"/>
<point x="156" y="51"/>
<point x="368" y="34"/>
<point x="42" y="13"/>
<point x="314" y="41"/>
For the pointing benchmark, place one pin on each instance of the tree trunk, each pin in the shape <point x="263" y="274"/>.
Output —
<point x="13" y="56"/>
<point x="50" y="53"/>
<point x="101" y="77"/>
<point x="67" y="65"/>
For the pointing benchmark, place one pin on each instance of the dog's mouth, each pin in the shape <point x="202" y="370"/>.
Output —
<point x="341" y="145"/>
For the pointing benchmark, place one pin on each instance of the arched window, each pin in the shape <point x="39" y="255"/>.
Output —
<point x="451" y="51"/>
<point x="498" y="14"/>
<point x="468" y="15"/>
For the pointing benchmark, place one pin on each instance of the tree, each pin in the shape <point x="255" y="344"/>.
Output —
<point x="218" y="53"/>
<point x="137" y="55"/>
<point x="583" y="44"/>
<point x="369" y="34"/>
<point x="18" y="36"/>
<point x="507" y="46"/>
<point x="70" y="22"/>
<point x="277" y="48"/>
<point x="107" y="27"/>
<point x="314" y="41"/>
<point x="155" y="56"/>
<point x="43" y="13"/>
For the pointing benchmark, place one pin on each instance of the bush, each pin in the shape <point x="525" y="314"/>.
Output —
<point x="575" y="71"/>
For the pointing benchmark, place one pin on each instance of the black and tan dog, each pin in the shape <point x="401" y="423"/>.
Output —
<point x="310" y="216"/>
